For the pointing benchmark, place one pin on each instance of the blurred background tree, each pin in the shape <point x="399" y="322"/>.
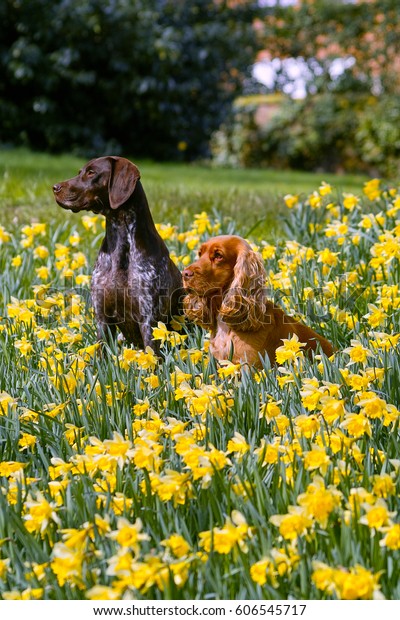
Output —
<point x="161" y="79"/>
<point x="323" y="31"/>
<point x="149" y="77"/>
<point x="337" y="65"/>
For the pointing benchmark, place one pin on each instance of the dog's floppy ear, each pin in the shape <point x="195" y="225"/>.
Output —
<point x="243" y="306"/>
<point x="123" y="178"/>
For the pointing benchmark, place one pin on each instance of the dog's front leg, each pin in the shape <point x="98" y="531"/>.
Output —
<point x="146" y="331"/>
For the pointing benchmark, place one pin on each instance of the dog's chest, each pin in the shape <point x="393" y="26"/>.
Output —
<point x="123" y="285"/>
<point x="237" y="346"/>
<point x="221" y="345"/>
<point x="124" y="270"/>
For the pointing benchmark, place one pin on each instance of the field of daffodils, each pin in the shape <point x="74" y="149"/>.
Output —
<point x="127" y="476"/>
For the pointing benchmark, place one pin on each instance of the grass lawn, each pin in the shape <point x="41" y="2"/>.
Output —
<point x="175" y="191"/>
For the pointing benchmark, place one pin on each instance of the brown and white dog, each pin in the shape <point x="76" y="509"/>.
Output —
<point x="135" y="284"/>
<point x="226" y="294"/>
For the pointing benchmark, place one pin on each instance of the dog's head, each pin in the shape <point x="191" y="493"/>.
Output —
<point x="229" y="278"/>
<point x="102" y="184"/>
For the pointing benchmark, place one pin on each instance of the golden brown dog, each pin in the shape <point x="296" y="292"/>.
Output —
<point x="226" y="294"/>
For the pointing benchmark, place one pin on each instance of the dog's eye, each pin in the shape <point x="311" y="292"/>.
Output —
<point x="218" y="256"/>
<point x="90" y="172"/>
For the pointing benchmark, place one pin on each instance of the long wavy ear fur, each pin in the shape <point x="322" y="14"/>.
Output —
<point x="244" y="305"/>
<point x="197" y="310"/>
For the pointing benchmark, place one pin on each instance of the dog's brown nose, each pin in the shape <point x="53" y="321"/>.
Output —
<point x="56" y="188"/>
<point x="187" y="273"/>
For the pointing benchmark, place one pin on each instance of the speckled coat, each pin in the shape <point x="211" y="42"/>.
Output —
<point x="135" y="284"/>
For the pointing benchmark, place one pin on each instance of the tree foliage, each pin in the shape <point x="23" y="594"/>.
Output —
<point x="152" y="77"/>
<point x="321" y="31"/>
<point x="349" y="120"/>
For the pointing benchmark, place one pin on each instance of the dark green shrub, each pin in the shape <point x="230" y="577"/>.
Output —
<point x="150" y="77"/>
<point x="331" y="131"/>
<point x="378" y="136"/>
